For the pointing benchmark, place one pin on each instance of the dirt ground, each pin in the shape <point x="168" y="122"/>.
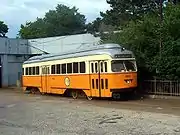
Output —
<point x="26" y="114"/>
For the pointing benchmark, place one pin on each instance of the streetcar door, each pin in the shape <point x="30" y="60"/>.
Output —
<point x="95" y="77"/>
<point x="44" y="78"/>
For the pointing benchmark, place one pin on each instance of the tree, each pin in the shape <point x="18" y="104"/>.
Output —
<point x="3" y="29"/>
<point x="175" y="1"/>
<point x="98" y="26"/>
<point x="94" y="26"/>
<point x="142" y="36"/>
<point x="33" y="29"/>
<point x="125" y="10"/>
<point x="59" y="22"/>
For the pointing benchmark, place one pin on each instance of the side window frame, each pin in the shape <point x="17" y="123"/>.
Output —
<point x="101" y="67"/>
<point x="23" y="71"/>
<point x="64" y="69"/>
<point x="92" y="68"/>
<point x="105" y="66"/>
<point x="75" y="66"/>
<point x="82" y="69"/>
<point x="58" y="69"/>
<point x="53" y="69"/>
<point x="37" y="70"/>
<point x="69" y="65"/>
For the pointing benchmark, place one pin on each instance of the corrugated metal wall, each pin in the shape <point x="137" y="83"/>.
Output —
<point x="13" y="52"/>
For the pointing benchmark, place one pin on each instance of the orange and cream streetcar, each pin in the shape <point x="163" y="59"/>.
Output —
<point x="106" y="70"/>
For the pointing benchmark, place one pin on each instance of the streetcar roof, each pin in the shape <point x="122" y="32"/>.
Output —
<point x="109" y="49"/>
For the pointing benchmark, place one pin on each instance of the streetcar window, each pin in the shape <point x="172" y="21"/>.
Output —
<point x="102" y="83"/>
<point x="105" y="66"/>
<point x="130" y="66"/>
<point x="47" y="70"/>
<point x="75" y="68"/>
<point x="22" y="71"/>
<point x="118" y="66"/>
<point x="63" y="68"/>
<point x="58" y="69"/>
<point x="53" y="69"/>
<point x="34" y="71"/>
<point x="69" y="68"/>
<point x="96" y="67"/>
<point x="37" y="70"/>
<point x="82" y="67"/>
<point x="97" y="84"/>
<point x="92" y="67"/>
<point x="27" y="71"/>
<point x="122" y="66"/>
<point x="30" y="70"/>
<point x="106" y="83"/>
<point x="102" y="67"/>
<point x="93" y="86"/>
<point x="43" y="70"/>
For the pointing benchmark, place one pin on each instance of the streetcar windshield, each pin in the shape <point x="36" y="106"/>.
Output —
<point x="123" y="66"/>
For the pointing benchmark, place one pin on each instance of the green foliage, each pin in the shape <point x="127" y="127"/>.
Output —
<point x="33" y="29"/>
<point x="125" y="10"/>
<point x="61" y="21"/>
<point x="176" y="1"/>
<point x="142" y="36"/>
<point x="98" y="26"/>
<point x="94" y="26"/>
<point x="3" y="29"/>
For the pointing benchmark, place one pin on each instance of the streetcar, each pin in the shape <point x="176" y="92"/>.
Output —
<point x="103" y="71"/>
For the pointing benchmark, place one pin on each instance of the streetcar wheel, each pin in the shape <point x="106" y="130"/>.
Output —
<point x="89" y="98"/>
<point x="75" y="94"/>
<point x="116" y="96"/>
<point x="27" y="92"/>
<point x="42" y="93"/>
<point x="33" y="91"/>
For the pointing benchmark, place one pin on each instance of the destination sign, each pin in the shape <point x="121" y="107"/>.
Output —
<point x="123" y="56"/>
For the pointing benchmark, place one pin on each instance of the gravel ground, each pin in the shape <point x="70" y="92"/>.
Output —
<point x="38" y="115"/>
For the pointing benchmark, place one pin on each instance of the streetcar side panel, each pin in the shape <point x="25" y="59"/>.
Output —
<point x="69" y="82"/>
<point x="54" y="82"/>
<point x="31" y="77"/>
